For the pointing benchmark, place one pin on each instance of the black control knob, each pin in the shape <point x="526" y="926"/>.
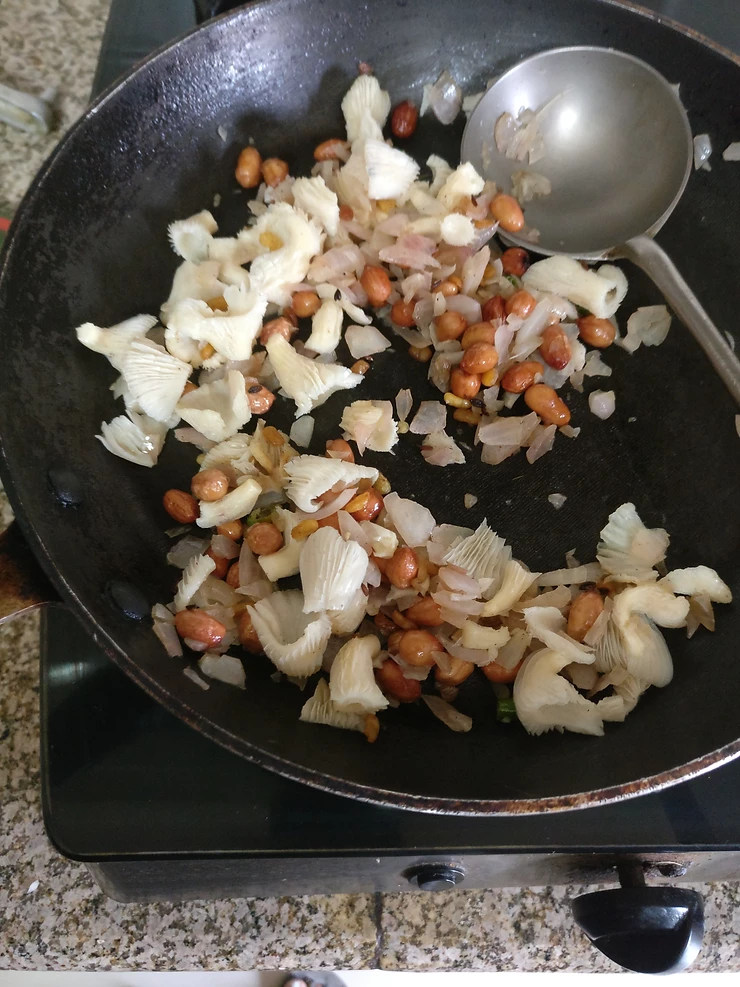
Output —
<point x="645" y="930"/>
<point x="435" y="877"/>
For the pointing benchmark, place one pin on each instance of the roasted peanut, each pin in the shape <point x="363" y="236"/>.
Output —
<point x="464" y="385"/>
<point x="416" y="647"/>
<point x="273" y="436"/>
<point x="479" y="332"/>
<point x="402" y="567"/>
<point x="404" y="119"/>
<point x="306" y="303"/>
<point x="277" y="327"/>
<point x="289" y="314"/>
<point x="371" y="729"/>
<point x="231" y="529"/>
<point x="264" y="538"/>
<point x="497" y="673"/>
<point x="360" y="367"/>
<point x="391" y="681"/>
<point x="199" y="626"/>
<point x="451" y="325"/>
<point x="189" y="387"/>
<point x="332" y="150"/>
<point x="248" y="167"/>
<point x="332" y="521"/>
<point x="422" y="354"/>
<point x="521" y="303"/>
<point x="371" y="507"/>
<point x="346" y="213"/>
<point x="181" y="506"/>
<point x="402" y="621"/>
<point x="339" y="449"/>
<point x="583" y="613"/>
<point x="555" y="347"/>
<point x="446" y="288"/>
<point x="494" y="309"/>
<point x="507" y="212"/>
<point x="394" y="641"/>
<point x="247" y="634"/>
<point x="460" y="671"/>
<point x="222" y="564"/>
<point x="546" y="403"/>
<point x="402" y="313"/>
<point x="260" y="399"/>
<point x="515" y="261"/>
<point x="377" y="285"/>
<point x="478" y="358"/>
<point x="274" y="171"/>
<point x="232" y="576"/>
<point x="426" y="612"/>
<point x="210" y="485"/>
<point x="520" y="376"/>
<point x="206" y="351"/>
<point x="384" y="623"/>
<point x="596" y="332"/>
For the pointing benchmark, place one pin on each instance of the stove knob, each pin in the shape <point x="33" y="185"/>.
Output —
<point x="435" y="877"/>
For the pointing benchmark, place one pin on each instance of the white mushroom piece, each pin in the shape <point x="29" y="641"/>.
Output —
<point x="293" y="640"/>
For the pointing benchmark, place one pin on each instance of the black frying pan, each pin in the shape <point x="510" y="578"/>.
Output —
<point x="90" y="243"/>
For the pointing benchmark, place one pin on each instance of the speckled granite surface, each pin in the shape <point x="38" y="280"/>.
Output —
<point x="53" y="917"/>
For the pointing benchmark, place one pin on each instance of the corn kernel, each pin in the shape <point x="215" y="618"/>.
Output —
<point x="271" y="435"/>
<point x="304" y="528"/>
<point x="455" y="402"/>
<point x="403" y="428"/>
<point x="270" y="240"/>
<point x="456" y="280"/>
<point x="217" y="304"/>
<point x="371" y="728"/>
<point x="360" y="367"/>
<point x="206" y="351"/>
<point x="358" y="502"/>
<point x="469" y="416"/>
<point x="382" y="485"/>
<point x="490" y="273"/>
<point x="421" y="353"/>
<point x="386" y="204"/>
<point x="489" y="378"/>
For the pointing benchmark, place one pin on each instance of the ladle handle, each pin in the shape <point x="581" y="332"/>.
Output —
<point x="656" y="263"/>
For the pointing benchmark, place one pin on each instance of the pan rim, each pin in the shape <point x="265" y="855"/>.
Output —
<point x="209" y="728"/>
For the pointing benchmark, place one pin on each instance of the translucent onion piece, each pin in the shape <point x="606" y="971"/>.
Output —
<point x="516" y="580"/>
<point x="557" y="500"/>
<point x="301" y="431"/>
<point x="648" y="325"/>
<point x="450" y="716"/>
<point x="308" y="383"/>
<point x="225" y="668"/>
<point x="698" y="580"/>
<point x="404" y="403"/>
<point x="413" y="522"/>
<point x="482" y="555"/>
<point x="702" y="151"/>
<point x="440" y="449"/>
<point x="571" y="576"/>
<point x="365" y="341"/>
<point x="602" y="403"/>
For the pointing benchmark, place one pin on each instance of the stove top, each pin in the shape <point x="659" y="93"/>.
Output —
<point x="158" y="811"/>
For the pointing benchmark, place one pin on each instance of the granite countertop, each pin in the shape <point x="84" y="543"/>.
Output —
<point x="52" y="915"/>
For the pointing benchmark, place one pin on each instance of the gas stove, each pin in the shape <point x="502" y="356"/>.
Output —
<point x="157" y="812"/>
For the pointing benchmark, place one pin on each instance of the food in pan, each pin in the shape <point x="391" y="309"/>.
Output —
<point x="392" y="605"/>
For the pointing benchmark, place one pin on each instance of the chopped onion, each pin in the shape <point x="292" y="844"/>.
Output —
<point x="194" y="677"/>
<point x="301" y="431"/>
<point x="413" y="522"/>
<point x="557" y="500"/>
<point x="167" y="634"/>
<point x="702" y="152"/>
<point x="440" y="449"/>
<point x="648" y="325"/>
<point x="444" y="98"/>
<point x="450" y="716"/>
<point x="528" y="185"/>
<point x="602" y="403"/>
<point x="404" y="403"/>
<point x="332" y="506"/>
<point x="732" y="152"/>
<point x="185" y="550"/>
<point x="470" y="500"/>
<point x="541" y="441"/>
<point x="194" y="437"/>
<point x="472" y="273"/>
<point x="431" y="417"/>
<point x="572" y="575"/>
<point x="365" y="341"/>
<point x="225" y="547"/>
<point x="466" y="306"/>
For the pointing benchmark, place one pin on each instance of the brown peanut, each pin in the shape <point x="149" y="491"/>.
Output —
<point x="422" y="354"/>
<point x="555" y="347"/>
<point x="479" y="332"/>
<point x="402" y="621"/>
<point x="426" y="612"/>
<point x="210" y="485"/>
<point x="222" y="564"/>
<point x="520" y="376"/>
<point x="248" y="167"/>
<point x="390" y="679"/>
<point x="464" y="385"/>
<point x="515" y="261"/>
<point x="494" y="309"/>
<point x="181" y="506"/>
<point x="231" y="529"/>
<point x="259" y="398"/>
<point x="451" y="325"/>
<point x="596" y="332"/>
<point x="402" y="567"/>
<point x="402" y="313"/>
<point x="583" y="613"/>
<point x="507" y="211"/>
<point x="339" y="449"/>
<point x="371" y="507"/>
<point x="332" y="150"/>
<point x="306" y="303"/>
<point x="404" y="119"/>
<point x="521" y="303"/>
<point x="377" y="284"/>
<point x="416" y="647"/>
<point x="497" y="673"/>
<point x="460" y="671"/>
<point x="274" y="171"/>
<point x="446" y="288"/>
<point x="346" y="213"/>
<point x="200" y="626"/>
<point x="478" y="358"/>
<point x="277" y="327"/>
<point x="545" y="402"/>
<point x="232" y="576"/>
<point x="247" y="634"/>
<point x="264" y="538"/>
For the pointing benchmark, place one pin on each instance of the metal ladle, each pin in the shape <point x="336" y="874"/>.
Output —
<point x="618" y="151"/>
